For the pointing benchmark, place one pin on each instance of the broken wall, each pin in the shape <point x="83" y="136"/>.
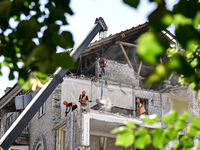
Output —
<point x="154" y="100"/>
<point x="117" y="72"/>
<point x="72" y="88"/>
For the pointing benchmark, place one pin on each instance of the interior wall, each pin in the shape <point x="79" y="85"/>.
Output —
<point x="179" y="106"/>
<point x="72" y="88"/>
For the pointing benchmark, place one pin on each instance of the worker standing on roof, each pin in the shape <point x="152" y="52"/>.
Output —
<point x="83" y="99"/>
<point x="140" y="107"/>
<point x="102" y="64"/>
<point x="69" y="105"/>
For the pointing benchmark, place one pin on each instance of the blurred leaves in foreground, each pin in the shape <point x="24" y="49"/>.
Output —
<point x="184" y="57"/>
<point x="30" y="34"/>
<point x="160" y="136"/>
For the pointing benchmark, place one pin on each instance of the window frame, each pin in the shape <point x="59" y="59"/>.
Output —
<point x="42" y="110"/>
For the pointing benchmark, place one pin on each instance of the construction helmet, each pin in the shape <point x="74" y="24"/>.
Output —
<point x="64" y="102"/>
<point x="83" y="92"/>
<point x="137" y="100"/>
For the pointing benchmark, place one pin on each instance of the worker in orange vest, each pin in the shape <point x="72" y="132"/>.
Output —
<point x="83" y="98"/>
<point x="140" y="107"/>
<point x="69" y="105"/>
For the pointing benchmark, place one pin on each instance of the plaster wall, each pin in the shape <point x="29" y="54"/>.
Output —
<point x="179" y="106"/>
<point x="71" y="90"/>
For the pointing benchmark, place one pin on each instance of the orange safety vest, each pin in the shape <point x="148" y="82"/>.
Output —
<point x="83" y="98"/>
<point x="141" y="109"/>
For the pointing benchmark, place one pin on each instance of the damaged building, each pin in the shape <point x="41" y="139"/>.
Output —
<point x="113" y="99"/>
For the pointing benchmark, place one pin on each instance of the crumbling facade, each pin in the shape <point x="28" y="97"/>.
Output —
<point x="121" y="85"/>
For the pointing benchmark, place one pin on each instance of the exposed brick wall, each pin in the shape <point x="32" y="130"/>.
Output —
<point x="42" y="126"/>
<point x="117" y="72"/>
<point x="154" y="100"/>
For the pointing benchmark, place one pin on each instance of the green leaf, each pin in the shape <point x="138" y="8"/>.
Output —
<point x="149" y="49"/>
<point x="170" y="117"/>
<point x="184" y="116"/>
<point x="130" y="125"/>
<point x="142" y="138"/>
<point x="159" y="138"/>
<point x="191" y="131"/>
<point x="171" y="134"/>
<point x="64" y="40"/>
<point x="116" y="130"/>
<point x="132" y="3"/>
<point x="182" y="67"/>
<point x="180" y="19"/>
<point x="196" y="122"/>
<point x="187" y="36"/>
<point x="186" y="141"/>
<point x="160" y="19"/>
<point x="180" y="125"/>
<point x="125" y="138"/>
<point x="197" y="19"/>
<point x="193" y="85"/>
<point x="26" y="86"/>
<point x="25" y="26"/>
<point x="158" y="75"/>
<point x="150" y="119"/>
<point x="63" y="60"/>
<point x="187" y="8"/>
<point x="5" y="8"/>
<point x="142" y="141"/>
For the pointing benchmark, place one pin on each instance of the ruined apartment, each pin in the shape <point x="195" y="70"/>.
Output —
<point x="119" y="89"/>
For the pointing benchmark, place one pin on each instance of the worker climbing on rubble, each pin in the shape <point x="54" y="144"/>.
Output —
<point x="83" y="99"/>
<point x="69" y="105"/>
<point x="102" y="64"/>
<point x="140" y="107"/>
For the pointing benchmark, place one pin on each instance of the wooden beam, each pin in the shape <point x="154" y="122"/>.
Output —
<point x="171" y="75"/>
<point x="139" y="68"/>
<point x="126" y="44"/>
<point x="123" y="50"/>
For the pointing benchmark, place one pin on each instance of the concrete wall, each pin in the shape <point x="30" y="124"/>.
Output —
<point x="193" y="103"/>
<point x="71" y="87"/>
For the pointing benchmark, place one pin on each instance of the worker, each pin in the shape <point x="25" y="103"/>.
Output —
<point x="83" y="99"/>
<point x="69" y="105"/>
<point x="102" y="64"/>
<point x="140" y="107"/>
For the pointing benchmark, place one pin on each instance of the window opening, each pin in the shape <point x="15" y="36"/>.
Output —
<point x="42" y="109"/>
<point x="144" y="103"/>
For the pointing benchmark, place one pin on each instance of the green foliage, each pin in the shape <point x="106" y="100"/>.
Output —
<point x="18" y="46"/>
<point x="159" y="137"/>
<point x="184" y="60"/>
<point x="152" y="119"/>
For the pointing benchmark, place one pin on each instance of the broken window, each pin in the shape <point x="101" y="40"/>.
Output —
<point x="144" y="103"/>
<point x="42" y="109"/>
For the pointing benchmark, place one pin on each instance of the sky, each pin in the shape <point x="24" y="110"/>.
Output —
<point x="117" y="16"/>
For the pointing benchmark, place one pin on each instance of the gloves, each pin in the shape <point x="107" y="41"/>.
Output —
<point x="65" y="114"/>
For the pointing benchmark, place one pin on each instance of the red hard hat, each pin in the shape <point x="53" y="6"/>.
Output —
<point x="138" y="100"/>
<point x="64" y="102"/>
<point x="83" y="92"/>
